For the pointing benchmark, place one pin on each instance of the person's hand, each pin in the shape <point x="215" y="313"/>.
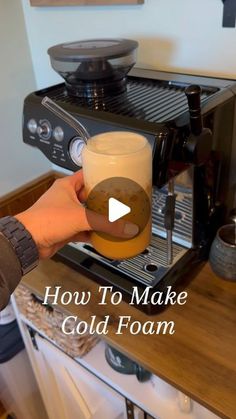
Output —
<point x="59" y="217"/>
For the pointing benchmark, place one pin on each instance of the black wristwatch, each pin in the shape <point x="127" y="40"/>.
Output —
<point x="21" y="241"/>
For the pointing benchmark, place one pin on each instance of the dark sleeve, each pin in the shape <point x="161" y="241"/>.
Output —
<point x="10" y="271"/>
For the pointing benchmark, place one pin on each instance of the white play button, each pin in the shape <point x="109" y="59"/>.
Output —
<point x="117" y="209"/>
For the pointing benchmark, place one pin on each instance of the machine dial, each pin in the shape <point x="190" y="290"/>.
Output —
<point x="32" y="126"/>
<point x="58" y="134"/>
<point x="44" y="129"/>
<point x="75" y="150"/>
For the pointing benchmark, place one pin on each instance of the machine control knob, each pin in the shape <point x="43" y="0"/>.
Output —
<point x="198" y="146"/>
<point x="75" y="150"/>
<point x="44" y="130"/>
<point x="58" y="134"/>
<point x="32" y="126"/>
<point x="193" y="93"/>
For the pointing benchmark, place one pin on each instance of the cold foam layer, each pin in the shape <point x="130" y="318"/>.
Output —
<point x="116" y="143"/>
<point x="117" y="154"/>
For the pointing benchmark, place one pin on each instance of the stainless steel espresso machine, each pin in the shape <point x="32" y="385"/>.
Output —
<point x="190" y="124"/>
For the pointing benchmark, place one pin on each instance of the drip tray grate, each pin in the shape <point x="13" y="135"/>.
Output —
<point x="149" y="267"/>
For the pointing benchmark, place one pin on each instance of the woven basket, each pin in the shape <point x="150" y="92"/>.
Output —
<point x="48" y="320"/>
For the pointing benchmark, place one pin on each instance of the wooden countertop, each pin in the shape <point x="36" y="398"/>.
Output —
<point x="199" y="359"/>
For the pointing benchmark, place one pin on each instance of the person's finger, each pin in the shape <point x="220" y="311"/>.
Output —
<point x="77" y="180"/>
<point x="82" y="196"/>
<point x="82" y="237"/>
<point x="90" y="220"/>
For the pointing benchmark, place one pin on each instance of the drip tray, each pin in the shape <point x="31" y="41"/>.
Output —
<point x="148" y="268"/>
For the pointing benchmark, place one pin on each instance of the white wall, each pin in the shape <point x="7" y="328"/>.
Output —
<point x="18" y="162"/>
<point x="176" y="35"/>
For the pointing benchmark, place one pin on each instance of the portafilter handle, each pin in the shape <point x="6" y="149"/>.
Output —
<point x="66" y="117"/>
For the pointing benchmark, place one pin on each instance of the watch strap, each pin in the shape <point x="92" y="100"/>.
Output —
<point x="21" y="242"/>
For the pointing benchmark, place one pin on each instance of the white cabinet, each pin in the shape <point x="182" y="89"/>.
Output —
<point x="18" y="389"/>
<point x="70" y="391"/>
<point x="88" y="388"/>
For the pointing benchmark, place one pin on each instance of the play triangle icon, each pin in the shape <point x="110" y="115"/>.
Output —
<point x="117" y="210"/>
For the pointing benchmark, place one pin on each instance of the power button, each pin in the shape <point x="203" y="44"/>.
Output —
<point x="32" y="126"/>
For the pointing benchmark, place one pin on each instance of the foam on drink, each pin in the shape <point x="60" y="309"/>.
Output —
<point x="116" y="143"/>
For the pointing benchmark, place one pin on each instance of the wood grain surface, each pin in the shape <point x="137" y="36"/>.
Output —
<point x="25" y="196"/>
<point x="199" y="359"/>
<point x="83" y="2"/>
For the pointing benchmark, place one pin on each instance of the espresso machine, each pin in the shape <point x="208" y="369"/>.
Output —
<point x="189" y="122"/>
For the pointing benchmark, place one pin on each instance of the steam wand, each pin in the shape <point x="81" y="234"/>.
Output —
<point x="169" y="220"/>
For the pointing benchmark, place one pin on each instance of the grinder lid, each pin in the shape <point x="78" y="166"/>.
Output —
<point x="92" y="49"/>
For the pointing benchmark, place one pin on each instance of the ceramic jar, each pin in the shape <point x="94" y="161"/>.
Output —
<point x="223" y="253"/>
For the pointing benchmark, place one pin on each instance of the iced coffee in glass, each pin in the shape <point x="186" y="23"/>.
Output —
<point x="119" y="165"/>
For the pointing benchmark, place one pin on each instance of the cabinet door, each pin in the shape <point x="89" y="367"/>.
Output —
<point x="45" y="378"/>
<point x="78" y="393"/>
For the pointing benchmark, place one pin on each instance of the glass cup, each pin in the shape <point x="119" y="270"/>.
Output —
<point x="119" y="155"/>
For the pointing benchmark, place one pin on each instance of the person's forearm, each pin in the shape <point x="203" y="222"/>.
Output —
<point x="10" y="271"/>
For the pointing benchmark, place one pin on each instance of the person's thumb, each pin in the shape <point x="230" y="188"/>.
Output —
<point x="121" y="228"/>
